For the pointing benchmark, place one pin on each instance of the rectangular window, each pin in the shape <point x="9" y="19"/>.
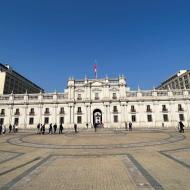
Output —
<point x="96" y="96"/>
<point x="2" y="111"/>
<point x="148" y="109"/>
<point x="149" y="118"/>
<point x="47" y="111"/>
<point x="46" y="120"/>
<point x="16" y="121"/>
<point x="31" y="111"/>
<point x="133" y="109"/>
<point x="1" y="121"/>
<point x="17" y="112"/>
<point x="115" y="109"/>
<point x="79" y="110"/>
<point x="181" y="117"/>
<point x="180" y="107"/>
<point x="165" y="117"/>
<point x="79" y="119"/>
<point x="31" y="121"/>
<point x="62" y="111"/>
<point x="164" y="108"/>
<point x="79" y="97"/>
<point x="114" y="96"/>
<point x="133" y="118"/>
<point x="61" y="120"/>
<point x="115" y="119"/>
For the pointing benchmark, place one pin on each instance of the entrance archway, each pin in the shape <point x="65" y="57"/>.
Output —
<point x="97" y="117"/>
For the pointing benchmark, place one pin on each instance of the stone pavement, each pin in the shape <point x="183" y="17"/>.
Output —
<point x="105" y="160"/>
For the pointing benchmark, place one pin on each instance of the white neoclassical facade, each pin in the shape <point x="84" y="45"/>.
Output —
<point x="108" y="101"/>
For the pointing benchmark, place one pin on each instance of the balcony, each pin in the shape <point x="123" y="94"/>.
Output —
<point x="133" y="110"/>
<point x="31" y="113"/>
<point x="164" y="110"/>
<point x="96" y="98"/>
<point x="62" y="112"/>
<point x="115" y="111"/>
<point x="180" y="109"/>
<point x="79" y="98"/>
<point x="79" y="112"/>
<point x="46" y="113"/>
<point x="17" y="113"/>
<point x="2" y="114"/>
<point x="114" y="97"/>
<point x="149" y="110"/>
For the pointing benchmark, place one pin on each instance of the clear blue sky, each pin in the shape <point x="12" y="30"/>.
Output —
<point x="49" y="40"/>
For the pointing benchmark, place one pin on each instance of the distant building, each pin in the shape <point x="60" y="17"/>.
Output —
<point x="180" y="80"/>
<point x="13" y="82"/>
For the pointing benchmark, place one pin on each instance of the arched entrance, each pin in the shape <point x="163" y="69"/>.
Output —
<point x="97" y="117"/>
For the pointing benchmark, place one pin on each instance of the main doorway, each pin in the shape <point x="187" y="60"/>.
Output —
<point x="97" y="117"/>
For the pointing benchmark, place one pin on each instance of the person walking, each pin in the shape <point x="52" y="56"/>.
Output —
<point x="1" y="129"/>
<point x="61" y="128"/>
<point x="181" y="127"/>
<point x="130" y="126"/>
<point x="43" y="129"/>
<point x="10" y="128"/>
<point x="87" y="125"/>
<point x="55" y="128"/>
<point x="75" y="128"/>
<point x="38" y="128"/>
<point x="50" y="129"/>
<point x="14" y="128"/>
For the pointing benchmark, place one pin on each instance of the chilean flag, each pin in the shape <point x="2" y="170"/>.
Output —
<point x="95" y="71"/>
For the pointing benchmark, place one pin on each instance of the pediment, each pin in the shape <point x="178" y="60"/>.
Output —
<point x="97" y="83"/>
<point x="79" y="90"/>
<point x="96" y="89"/>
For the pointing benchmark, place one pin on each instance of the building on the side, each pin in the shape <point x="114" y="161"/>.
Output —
<point x="89" y="101"/>
<point x="180" y="80"/>
<point x="13" y="82"/>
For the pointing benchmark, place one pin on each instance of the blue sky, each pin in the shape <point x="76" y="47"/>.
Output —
<point x="49" y="40"/>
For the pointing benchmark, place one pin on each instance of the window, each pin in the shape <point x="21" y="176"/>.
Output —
<point x="46" y="120"/>
<point x="181" y="117"/>
<point x="62" y="111"/>
<point x="79" y="97"/>
<point x="96" y="96"/>
<point x="1" y="121"/>
<point x="149" y="118"/>
<point x="79" y="110"/>
<point x="133" y="109"/>
<point x="31" y="121"/>
<point x="114" y="96"/>
<point x="115" y="109"/>
<point x="31" y="111"/>
<point x="17" y="112"/>
<point x="148" y="108"/>
<point x="79" y="119"/>
<point x="133" y="118"/>
<point x="61" y="120"/>
<point x="2" y="111"/>
<point x="16" y="121"/>
<point x="115" y="119"/>
<point x="165" y="117"/>
<point x="164" y="108"/>
<point x="47" y="111"/>
<point x="180" y="107"/>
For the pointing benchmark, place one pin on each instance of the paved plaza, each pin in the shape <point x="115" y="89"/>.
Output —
<point x="106" y="160"/>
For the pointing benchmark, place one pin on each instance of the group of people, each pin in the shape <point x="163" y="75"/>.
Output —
<point x="12" y="129"/>
<point x="52" y="129"/>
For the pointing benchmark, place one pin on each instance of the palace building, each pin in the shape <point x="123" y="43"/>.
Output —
<point x="109" y="101"/>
